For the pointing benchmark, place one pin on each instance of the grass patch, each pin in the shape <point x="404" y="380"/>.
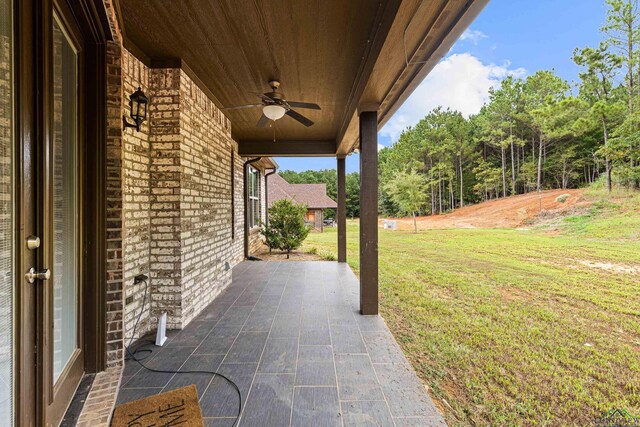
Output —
<point x="517" y="327"/>
<point x="328" y="256"/>
<point x="324" y="254"/>
<point x="612" y="216"/>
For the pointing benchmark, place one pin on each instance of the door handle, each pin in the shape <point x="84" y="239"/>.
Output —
<point x="33" y="275"/>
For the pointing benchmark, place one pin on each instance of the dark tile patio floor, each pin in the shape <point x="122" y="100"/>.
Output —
<point x="290" y="336"/>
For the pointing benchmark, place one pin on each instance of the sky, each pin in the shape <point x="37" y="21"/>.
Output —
<point x="510" y="37"/>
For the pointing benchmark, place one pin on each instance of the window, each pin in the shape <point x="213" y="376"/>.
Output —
<point x="254" y="197"/>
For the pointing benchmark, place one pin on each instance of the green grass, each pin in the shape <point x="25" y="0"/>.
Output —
<point x="511" y="327"/>
<point x="614" y="216"/>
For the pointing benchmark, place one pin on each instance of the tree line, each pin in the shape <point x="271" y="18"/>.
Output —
<point x="534" y="133"/>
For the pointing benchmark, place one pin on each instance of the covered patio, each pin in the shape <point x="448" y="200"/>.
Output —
<point x="138" y="135"/>
<point x="303" y="341"/>
<point x="289" y="334"/>
<point x="356" y="61"/>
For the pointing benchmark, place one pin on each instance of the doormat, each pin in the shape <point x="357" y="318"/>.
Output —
<point x="178" y="407"/>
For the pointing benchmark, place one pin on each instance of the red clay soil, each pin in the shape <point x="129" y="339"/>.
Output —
<point x="510" y="212"/>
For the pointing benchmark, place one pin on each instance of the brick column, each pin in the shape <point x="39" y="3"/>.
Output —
<point x="165" y="139"/>
<point x="114" y="220"/>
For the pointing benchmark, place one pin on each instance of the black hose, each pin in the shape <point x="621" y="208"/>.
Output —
<point x="132" y="356"/>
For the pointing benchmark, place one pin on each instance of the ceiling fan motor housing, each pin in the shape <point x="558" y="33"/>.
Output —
<point x="274" y="84"/>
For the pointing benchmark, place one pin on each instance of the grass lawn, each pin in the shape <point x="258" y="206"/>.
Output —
<point x="517" y="327"/>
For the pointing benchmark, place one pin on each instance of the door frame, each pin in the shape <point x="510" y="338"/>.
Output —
<point x="33" y="20"/>
<point x="58" y="393"/>
<point x="24" y="48"/>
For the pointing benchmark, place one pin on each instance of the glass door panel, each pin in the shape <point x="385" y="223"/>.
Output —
<point x="65" y="271"/>
<point x="6" y="215"/>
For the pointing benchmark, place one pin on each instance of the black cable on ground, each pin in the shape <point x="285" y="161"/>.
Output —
<point x="214" y="373"/>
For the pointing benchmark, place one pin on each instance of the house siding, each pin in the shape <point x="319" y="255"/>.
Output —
<point x="318" y="218"/>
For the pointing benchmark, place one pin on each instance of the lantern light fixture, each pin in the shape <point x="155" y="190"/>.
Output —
<point x="138" y="109"/>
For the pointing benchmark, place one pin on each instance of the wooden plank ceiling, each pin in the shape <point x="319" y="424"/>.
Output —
<point x="336" y="53"/>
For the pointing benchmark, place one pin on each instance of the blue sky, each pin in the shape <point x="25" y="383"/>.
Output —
<point x="510" y="37"/>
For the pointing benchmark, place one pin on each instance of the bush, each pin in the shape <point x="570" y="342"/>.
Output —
<point x="286" y="229"/>
<point x="563" y="198"/>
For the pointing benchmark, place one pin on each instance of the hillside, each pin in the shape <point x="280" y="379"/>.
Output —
<point x="510" y="212"/>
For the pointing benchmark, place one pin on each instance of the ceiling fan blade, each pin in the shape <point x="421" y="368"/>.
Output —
<point x="239" y="107"/>
<point x="263" y="122"/>
<point x="299" y="117"/>
<point x="309" y="105"/>
<point x="264" y="97"/>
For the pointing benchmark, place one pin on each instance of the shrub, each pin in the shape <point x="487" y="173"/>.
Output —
<point x="563" y="198"/>
<point x="286" y="229"/>
<point x="271" y="237"/>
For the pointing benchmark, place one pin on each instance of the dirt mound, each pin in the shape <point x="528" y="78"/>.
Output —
<point x="510" y="212"/>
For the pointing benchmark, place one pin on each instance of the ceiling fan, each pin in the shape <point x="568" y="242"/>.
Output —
<point x="275" y="106"/>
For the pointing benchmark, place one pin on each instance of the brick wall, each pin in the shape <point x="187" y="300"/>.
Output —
<point x="136" y="214"/>
<point x="114" y="191"/>
<point x="166" y="270"/>
<point x="177" y="200"/>
<point x="170" y="203"/>
<point x="205" y="186"/>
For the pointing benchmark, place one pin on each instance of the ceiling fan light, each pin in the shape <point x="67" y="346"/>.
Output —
<point x="274" y="112"/>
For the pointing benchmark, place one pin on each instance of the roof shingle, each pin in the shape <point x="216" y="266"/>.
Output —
<point x="312" y="195"/>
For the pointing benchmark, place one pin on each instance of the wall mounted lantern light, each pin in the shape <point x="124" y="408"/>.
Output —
<point x="138" y="109"/>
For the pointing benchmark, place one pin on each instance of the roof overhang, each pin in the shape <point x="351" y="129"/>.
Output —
<point x="421" y="35"/>
<point x="346" y="56"/>
<point x="264" y="163"/>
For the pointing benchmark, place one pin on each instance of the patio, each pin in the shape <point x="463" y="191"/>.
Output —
<point x="289" y="334"/>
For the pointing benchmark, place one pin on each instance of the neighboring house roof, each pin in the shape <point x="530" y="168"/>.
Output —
<point x="312" y="195"/>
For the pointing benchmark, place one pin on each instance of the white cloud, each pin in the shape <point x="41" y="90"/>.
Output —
<point x="380" y="147"/>
<point x="460" y="82"/>
<point x="473" y="36"/>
